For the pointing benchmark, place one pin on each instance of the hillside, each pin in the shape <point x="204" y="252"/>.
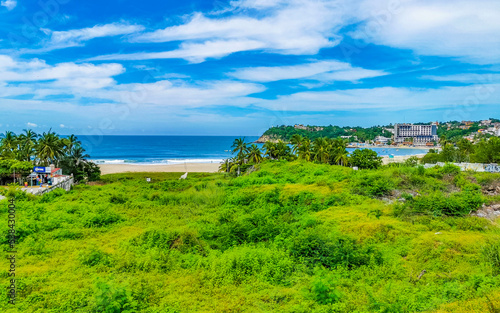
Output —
<point x="453" y="131"/>
<point x="289" y="237"/>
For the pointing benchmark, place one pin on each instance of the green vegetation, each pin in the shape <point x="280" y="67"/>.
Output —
<point x="485" y="151"/>
<point x="287" y="237"/>
<point x="19" y="153"/>
<point x="452" y="131"/>
<point x="321" y="150"/>
<point x="286" y="133"/>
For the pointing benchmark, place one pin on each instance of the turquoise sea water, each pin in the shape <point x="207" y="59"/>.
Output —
<point x="175" y="149"/>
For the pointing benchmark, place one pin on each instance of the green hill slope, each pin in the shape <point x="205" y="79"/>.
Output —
<point x="290" y="237"/>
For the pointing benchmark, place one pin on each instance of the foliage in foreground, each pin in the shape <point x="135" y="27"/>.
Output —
<point x="289" y="237"/>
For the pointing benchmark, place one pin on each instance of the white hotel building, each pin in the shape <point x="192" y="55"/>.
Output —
<point x="419" y="134"/>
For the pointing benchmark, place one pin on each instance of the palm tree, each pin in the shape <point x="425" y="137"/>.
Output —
<point x="78" y="155"/>
<point x="27" y="142"/>
<point x="321" y="150"/>
<point x="443" y="141"/>
<point x="342" y="159"/>
<point x="254" y="154"/>
<point x="49" y="148"/>
<point x="70" y="142"/>
<point x="270" y="149"/>
<point x="240" y="147"/>
<point x="338" y="151"/>
<point x="305" y="150"/>
<point x="282" y="150"/>
<point x="9" y="144"/>
<point x="229" y="165"/>
<point x="296" y="141"/>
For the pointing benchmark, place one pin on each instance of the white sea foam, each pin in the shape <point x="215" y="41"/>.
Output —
<point x="158" y="162"/>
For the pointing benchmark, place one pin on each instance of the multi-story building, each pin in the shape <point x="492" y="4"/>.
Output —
<point x="418" y="134"/>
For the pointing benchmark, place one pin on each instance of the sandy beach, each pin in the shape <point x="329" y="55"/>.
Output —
<point x="174" y="168"/>
<point x="400" y="158"/>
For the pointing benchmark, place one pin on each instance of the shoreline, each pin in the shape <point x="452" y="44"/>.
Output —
<point x="165" y="168"/>
<point x="201" y="167"/>
<point x="393" y="147"/>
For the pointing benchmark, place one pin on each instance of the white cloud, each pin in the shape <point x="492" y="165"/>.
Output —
<point x="62" y="126"/>
<point x="33" y="125"/>
<point x="292" y="27"/>
<point x="77" y="37"/>
<point x="329" y="70"/>
<point x="388" y="98"/>
<point x="79" y="76"/>
<point x="469" y="78"/>
<point x="9" y="4"/>
<point x="193" y="52"/>
<point x="463" y="29"/>
<point x="181" y="94"/>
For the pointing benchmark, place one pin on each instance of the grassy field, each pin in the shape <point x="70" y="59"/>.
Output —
<point x="289" y="237"/>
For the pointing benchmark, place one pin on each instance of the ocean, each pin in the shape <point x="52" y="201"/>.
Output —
<point x="149" y="150"/>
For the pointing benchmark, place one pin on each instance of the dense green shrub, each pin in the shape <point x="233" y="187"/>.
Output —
<point x="111" y="298"/>
<point x="242" y="263"/>
<point x="185" y="241"/>
<point x="491" y="254"/>
<point x="95" y="257"/>
<point x="118" y="198"/>
<point x="101" y="219"/>
<point x="316" y="249"/>
<point x="372" y="184"/>
<point x="437" y="203"/>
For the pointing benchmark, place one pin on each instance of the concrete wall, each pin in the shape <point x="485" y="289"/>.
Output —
<point x="475" y="167"/>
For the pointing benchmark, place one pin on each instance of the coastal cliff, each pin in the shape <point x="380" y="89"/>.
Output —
<point x="266" y="138"/>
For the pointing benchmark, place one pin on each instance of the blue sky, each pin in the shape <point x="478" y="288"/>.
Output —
<point x="238" y="67"/>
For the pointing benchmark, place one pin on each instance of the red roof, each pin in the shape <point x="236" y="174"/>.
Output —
<point x="55" y="170"/>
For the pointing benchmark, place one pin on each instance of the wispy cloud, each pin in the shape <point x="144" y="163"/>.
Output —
<point x="78" y="37"/>
<point x="294" y="27"/>
<point x="462" y="29"/>
<point x="468" y="78"/>
<point x="9" y="4"/>
<point x="385" y="98"/>
<point x="329" y="70"/>
<point x="193" y="52"/>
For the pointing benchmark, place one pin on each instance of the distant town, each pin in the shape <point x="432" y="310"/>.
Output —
<point x="400" y="135"/>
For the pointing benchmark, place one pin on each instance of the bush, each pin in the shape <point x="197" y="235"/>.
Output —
<point x="118" y="198"/>
<point x="491" y="254"/>
<point x="315" y="249"/>
<point x="101" y="219"/>
<point x="456" y="204"/>
<point x="114" y="299"/>
<point x="365" y="159"/>
<point x="242" y="263"/>
<point x="95" y="257"/>
<point x="324" y="292"/>
<point x="184" y="241"/>
<point x="372" y="184"/>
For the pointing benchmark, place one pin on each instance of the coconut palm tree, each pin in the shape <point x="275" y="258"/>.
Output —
<point x="240" y="147"/>
<point x="282" y="150"/>
<point x="70" y="142"/>
<point x="270" y="149"/>
<point x="27" y="143"/>
<point x="229" y="166"/>
<point x="9" y="144"/>
<point x="78" y="155"/>
<point x="254" y="154"/>
<point x="443" y="141"/>
<point x="321" y="150"/>
<point x="342" y="159"/>
<point x="296" y="141"/>
<point x="49" y="148"/>
<point x="305" y="150"/>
